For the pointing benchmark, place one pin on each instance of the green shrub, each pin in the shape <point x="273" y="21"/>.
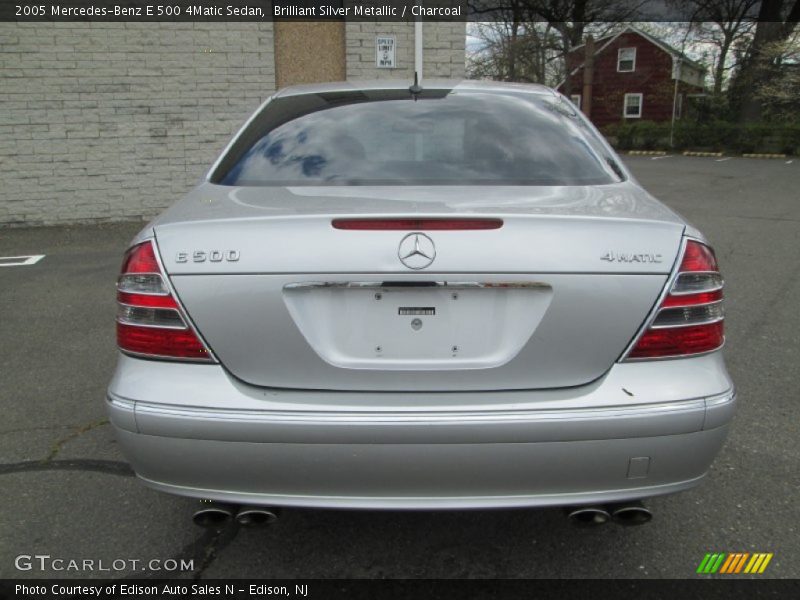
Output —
<point x="639" y="135"/>
<point x="790" y="138"/>
<point x="749" y="138"/>
<point x="725" y="135"/>
<point x="717" y="136"/>
<point x="651" y="136"/>
<point x="689" y="135"/>
<point x="623" y="134"/>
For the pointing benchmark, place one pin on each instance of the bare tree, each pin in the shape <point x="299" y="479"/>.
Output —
<point x="780" y="95"/>
<point x="515" y="51"/>
<point x="527" y="40"/>
<point x="777" y="21"/>
<point x="570" y="19"/>
<point x="496" y="58"/>
<point x="723" y="24"/>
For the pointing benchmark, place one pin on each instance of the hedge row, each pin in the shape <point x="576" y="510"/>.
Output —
<point x="718" y="136"/>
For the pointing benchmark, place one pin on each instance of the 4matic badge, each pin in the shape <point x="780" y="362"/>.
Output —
<point x="627" y="257"/>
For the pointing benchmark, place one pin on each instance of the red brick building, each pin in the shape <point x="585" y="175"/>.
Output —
<point x="634" y="77"/>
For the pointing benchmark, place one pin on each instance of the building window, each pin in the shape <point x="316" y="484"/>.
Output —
<point x="633" y="106"/>
<point x="626" y="60"/>
<point x="576" y="99"/>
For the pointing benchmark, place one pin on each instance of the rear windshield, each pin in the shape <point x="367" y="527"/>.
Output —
<point x="444" y="137"/>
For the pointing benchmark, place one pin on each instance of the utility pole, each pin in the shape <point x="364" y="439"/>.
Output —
<point x="418" y="48"/>
<point x="677" y="75"/>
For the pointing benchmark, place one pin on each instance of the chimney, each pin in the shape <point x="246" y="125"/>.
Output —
<point x="588" y="75"/>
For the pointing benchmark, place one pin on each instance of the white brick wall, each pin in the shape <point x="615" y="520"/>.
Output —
<point x="111" y="121"/>
<point x="443" y="50"/>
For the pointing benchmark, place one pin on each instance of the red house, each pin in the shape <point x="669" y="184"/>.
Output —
<point x="633" y="75"/>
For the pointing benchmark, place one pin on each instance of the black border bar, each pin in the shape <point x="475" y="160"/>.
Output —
<point x="144" y="11"/>
<point x="360" y="589"/>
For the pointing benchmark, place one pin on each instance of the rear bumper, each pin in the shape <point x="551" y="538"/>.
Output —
<point x="193" y="430"/>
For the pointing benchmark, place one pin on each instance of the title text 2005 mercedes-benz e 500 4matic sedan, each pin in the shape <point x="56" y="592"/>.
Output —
<point x="386" y="297"/>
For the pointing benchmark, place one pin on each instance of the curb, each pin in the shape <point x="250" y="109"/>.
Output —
<point x="691" y="153"/>
<point x="646" y="153"/>
<point x="763" y="156"/>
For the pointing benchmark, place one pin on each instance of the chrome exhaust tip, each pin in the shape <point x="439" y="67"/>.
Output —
<point x="213" y="515"/>
<point x="256" y="516"/>
<point x="588" y="516"/>
<point x="630" y="514"/>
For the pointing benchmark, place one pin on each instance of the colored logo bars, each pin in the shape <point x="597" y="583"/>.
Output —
<point x="734" y="562"/>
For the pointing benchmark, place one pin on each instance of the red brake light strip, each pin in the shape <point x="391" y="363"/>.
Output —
<point x="416" y="224"/>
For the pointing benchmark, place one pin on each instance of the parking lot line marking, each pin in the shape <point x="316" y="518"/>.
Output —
<point x="724" y="159"/>
<point x="20" y="261"/>
<point x="660" y="157"/>
<point x="788" y="162"/>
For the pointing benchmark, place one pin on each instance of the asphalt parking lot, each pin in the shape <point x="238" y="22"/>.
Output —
<point x="65" y="490"/>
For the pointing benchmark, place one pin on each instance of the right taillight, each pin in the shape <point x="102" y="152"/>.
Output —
<point x="150" y="322"/>
<point x="689" y="320"/>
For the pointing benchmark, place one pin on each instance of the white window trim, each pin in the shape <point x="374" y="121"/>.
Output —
<point x="573" y="100"/>
<point x="625" y="107"/>
<point x="619" y="59"/>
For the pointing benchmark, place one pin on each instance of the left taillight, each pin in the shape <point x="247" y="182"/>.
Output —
<point x="150" y="322"/>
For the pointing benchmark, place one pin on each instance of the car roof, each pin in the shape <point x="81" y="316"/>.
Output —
<point x="400" y="84"/>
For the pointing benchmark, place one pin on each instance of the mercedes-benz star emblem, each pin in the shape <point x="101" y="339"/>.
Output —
<point x="416" y="251"/>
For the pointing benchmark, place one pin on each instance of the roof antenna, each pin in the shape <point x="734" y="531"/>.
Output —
<point x="415" y="89"/>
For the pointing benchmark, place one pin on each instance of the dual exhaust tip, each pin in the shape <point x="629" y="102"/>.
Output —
<point x="627" y="514"/>
<point x="214" y="515"/>
<point x="217" y="515"/>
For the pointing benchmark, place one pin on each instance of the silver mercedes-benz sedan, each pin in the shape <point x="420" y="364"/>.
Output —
<point x="387" y="297"/>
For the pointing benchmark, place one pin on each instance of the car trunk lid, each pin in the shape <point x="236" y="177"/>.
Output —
<point x="549" y="299"/>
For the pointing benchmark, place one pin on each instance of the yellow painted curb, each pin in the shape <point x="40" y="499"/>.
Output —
<point x="763" y="155"/>
<point x="691" y="153"/>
